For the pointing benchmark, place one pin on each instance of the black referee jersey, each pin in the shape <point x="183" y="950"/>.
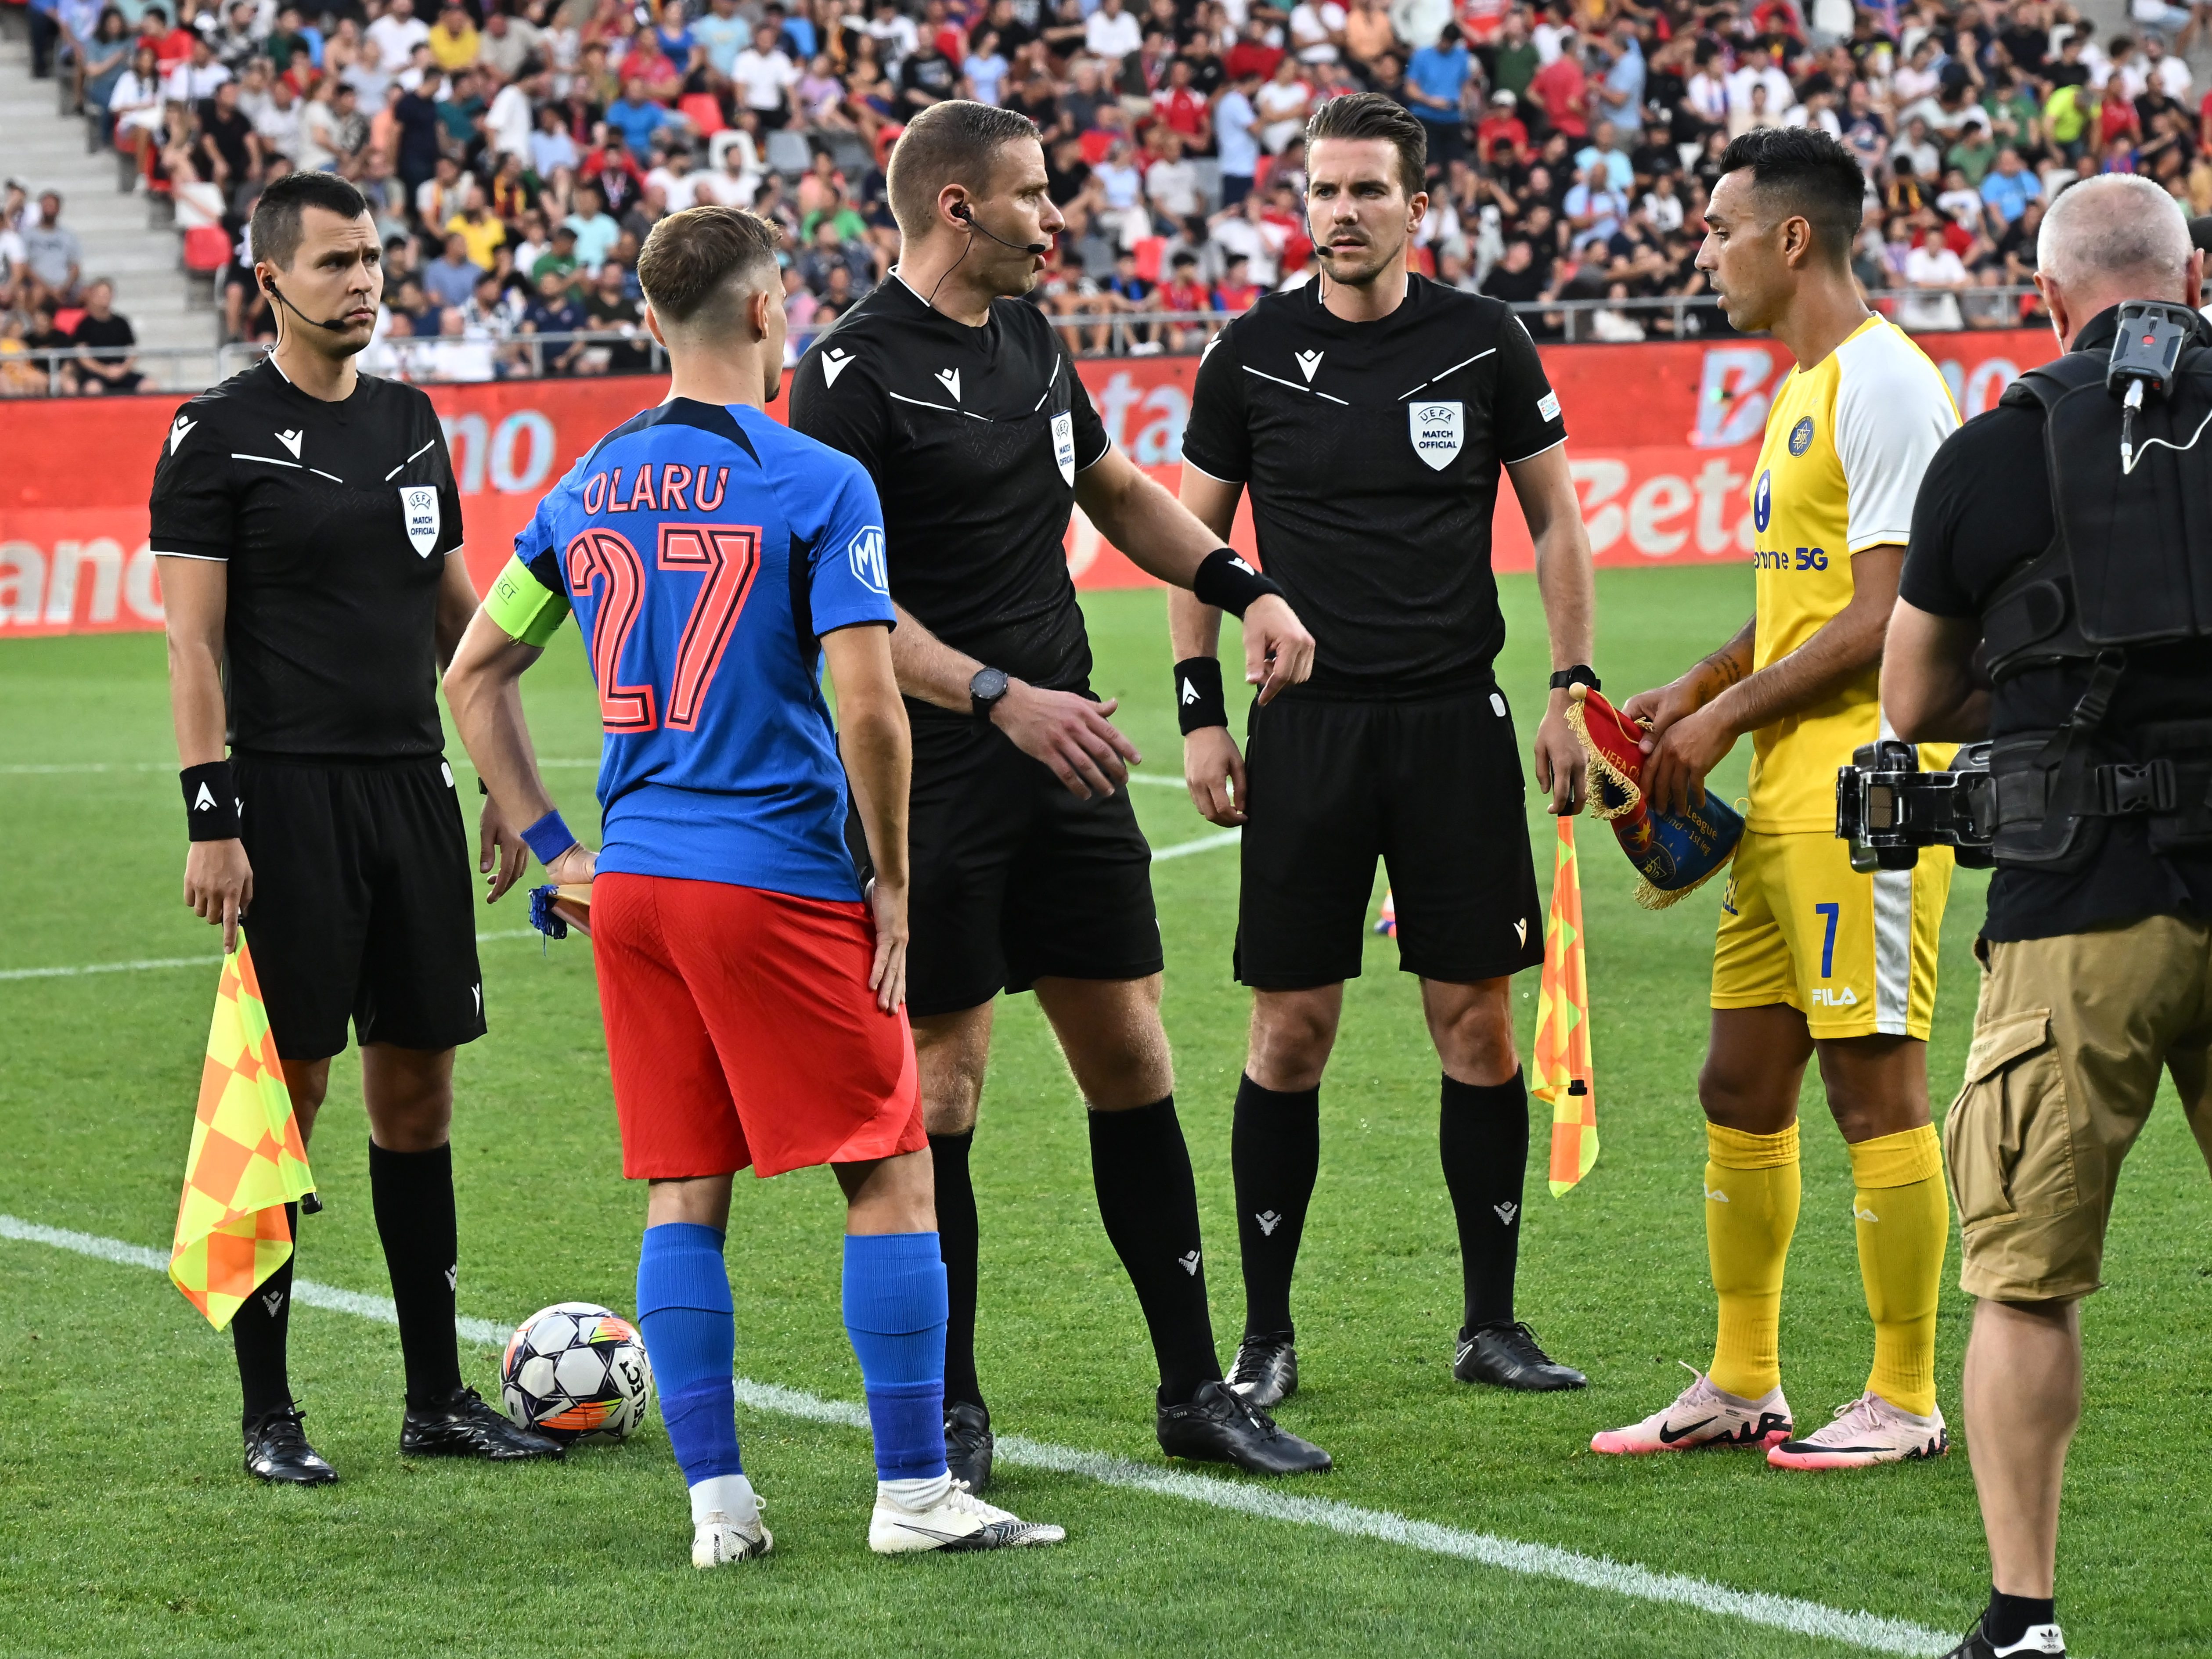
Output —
<point x="973" y="437"/>
<point x="336" y="519"/>
<point x="1372" y="451"/>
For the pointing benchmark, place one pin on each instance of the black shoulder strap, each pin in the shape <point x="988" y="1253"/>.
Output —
<point x="2045" y="384"/>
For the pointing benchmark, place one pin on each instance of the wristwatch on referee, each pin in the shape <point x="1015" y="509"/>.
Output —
<point x="986" y="691"/>
<point x="1581" y="674"/>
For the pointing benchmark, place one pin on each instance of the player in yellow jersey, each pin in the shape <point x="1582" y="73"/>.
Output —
<point x="1812" y="958"/>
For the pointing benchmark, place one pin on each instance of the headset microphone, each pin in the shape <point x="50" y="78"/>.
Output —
<point x="966" y="215"/>
<point x="269" y="286"/>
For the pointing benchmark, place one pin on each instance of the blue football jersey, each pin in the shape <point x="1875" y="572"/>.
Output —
<point x="706" y="551"/>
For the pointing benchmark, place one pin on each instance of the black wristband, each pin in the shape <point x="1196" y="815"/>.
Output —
<point x="1581" y="674"/>
<point x="211" y="801"/>
<point x="1225" y="579"/>
<point x="1199" y="701"/>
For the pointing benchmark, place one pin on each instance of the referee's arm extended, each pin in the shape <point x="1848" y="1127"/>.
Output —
<point x="1213" y="766"/>
<point x="1073" y="735"/>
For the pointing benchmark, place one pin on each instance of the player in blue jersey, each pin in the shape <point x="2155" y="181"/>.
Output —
<point x="754" y="996"/>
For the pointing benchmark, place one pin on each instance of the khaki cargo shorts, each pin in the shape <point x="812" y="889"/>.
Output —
<point x="2069" y="1042"/>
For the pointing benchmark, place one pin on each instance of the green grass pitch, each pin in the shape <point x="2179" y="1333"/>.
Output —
<point x="126" y="1526"/>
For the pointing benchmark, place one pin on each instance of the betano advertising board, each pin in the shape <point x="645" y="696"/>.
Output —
<point x="1662" y="439"/>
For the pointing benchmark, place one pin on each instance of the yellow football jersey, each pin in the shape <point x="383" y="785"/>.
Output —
<point x="1847" y="441"/>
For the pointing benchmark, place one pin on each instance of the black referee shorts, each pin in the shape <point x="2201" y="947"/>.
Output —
<point x="1432" y="789"/>
<point x="1015" y="879"/>
<point x="363" y="905"/>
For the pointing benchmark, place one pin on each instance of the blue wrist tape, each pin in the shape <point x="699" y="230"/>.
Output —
<point x="549" y="837"/>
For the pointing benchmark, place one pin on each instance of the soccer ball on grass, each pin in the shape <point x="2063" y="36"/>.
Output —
<point x="577" y="1372"/>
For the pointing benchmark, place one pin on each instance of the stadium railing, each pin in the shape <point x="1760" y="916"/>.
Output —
<point x="437" y="359"/>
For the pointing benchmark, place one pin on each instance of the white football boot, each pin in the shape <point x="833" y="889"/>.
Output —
<point x="957" y="1520"/>
<point x="1867" y="1432"/>
<point x="717" y="1539"/>
<point x="726" y="1524"/>
<point x="1702" y="1415"/>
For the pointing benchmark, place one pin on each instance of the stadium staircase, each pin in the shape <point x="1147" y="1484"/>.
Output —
<point x="125" y="237"/>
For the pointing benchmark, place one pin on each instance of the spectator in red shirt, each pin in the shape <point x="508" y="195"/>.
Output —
<point x="1182" y="291"/>
<point x="1181" y="108"/>
<point x="1235" y="292"/>
<point x="616" y="172"/>
<point x="1560" y="87"/>
<point x="1503" y="123"/>
<point x="1251" y="55"/>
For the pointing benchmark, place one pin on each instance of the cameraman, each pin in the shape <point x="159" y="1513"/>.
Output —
<point x="2099" y="969"/>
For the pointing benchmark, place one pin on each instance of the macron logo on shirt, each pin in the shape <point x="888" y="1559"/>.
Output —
<point x="180" y="432"/>
<point x="833" y="365"/>
<point x="950" y="380"/>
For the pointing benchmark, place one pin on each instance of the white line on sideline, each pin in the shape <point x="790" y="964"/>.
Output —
<point x="152" y="962"/>
<point x="1866" y="1631"/>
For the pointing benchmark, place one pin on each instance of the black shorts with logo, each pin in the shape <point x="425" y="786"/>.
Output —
<point x="1015" y="878"/>
<point x="1434" y="789"/>
<point x="362" y="906"/>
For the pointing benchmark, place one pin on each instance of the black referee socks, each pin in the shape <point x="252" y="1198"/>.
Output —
<point x="1148" y="1199"/>
<point x="257" y="1330"/>
<point x="1274" y="1150"/>
<point x="413" y="1193"/>
<point x="958" y="1241"/>
<point x="1482" y="1135"/>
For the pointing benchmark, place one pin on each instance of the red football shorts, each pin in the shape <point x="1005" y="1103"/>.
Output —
<point x="741" y="1030"/>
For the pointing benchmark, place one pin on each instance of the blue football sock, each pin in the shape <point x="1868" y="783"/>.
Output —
<point x="684" y="1313"/>
<point x="894" y="1314"/>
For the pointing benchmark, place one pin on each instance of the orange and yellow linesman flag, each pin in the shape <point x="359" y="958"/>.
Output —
<point x="248" y="1161"/>
<point x="1563" y="1055"/>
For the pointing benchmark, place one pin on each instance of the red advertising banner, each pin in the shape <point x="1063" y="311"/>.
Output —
<point x="1662" y="439"/>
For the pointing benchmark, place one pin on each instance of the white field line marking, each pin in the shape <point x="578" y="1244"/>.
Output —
<point x="1866" y="1631"/>
<point x="152" y="962"/>
<point x="1203" y="844"/>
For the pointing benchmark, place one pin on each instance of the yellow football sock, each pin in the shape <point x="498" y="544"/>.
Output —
<point x="1904" y="1220"/>
<point x="1751" y="1211"/>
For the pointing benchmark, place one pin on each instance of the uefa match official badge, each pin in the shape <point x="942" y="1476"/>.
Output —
<point x="1063" y="445"/>
<point x="418" y="506"/>
<point x="1439" y="430"/>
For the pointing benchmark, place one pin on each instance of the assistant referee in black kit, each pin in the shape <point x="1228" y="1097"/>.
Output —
<point x="1369" y="412"/>
<point x="1029" y="872"/>
<point x="308" y="525"/>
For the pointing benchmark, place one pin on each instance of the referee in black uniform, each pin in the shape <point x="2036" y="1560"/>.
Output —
<point x="1029" y="872"/>
<point x="308" y="528"/>
<point x="1369" y="412"/>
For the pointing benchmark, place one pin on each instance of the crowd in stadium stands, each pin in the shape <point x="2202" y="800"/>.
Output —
<point x="516" y="159"/>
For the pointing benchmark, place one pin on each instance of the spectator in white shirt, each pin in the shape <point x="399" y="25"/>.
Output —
<point x="367" y="76"/>
<point x="278" y="123"/>
<point x="1283" y="103"/>
<point x="675" y="182"/>
<point x="397" y="33"/>
<point x="1317" y="31"/>
<point x="1758" y="70"/>
<point x="1112" y="33"/>
<point x="2166" y="70"/>
<point x="195" y="79"/>
<point x="1171" y="182"/>
<point x="506" y="123"/>
<point x="896" y="39"/>
<point x="1934" y="274"/>
<point x="765" y="77"/>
